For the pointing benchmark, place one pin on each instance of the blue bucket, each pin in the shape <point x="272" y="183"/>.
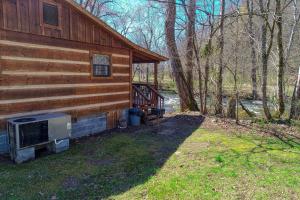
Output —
<point x="135" y="120"/>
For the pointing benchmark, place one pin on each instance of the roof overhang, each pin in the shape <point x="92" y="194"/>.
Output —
<point x="140" y="54"/>
<point x="144" y="57"/>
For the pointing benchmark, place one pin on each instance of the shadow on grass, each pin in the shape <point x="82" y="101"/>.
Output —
<point x="99" y="167"/>
<point x="282" y="147"/>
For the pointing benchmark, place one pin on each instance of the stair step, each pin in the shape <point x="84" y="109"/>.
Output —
<point x="151" y="117"/>
<point x="157" y="111"/>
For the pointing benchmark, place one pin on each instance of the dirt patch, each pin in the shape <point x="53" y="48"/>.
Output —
<point x="71" y="183"/>
<point x="178" y="124"/>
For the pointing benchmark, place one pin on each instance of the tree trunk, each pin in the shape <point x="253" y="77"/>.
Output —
<point x="186" y="95"/>
<point x="231" y="108"/>
<point x="281" y="64"/>
<point x="295" y="104"/>
<point x="253" y="52"/>
<point x="200" y="81"/>
<point x="191" y="15"/>
<point x="200" y="85"/>
<point x="265" y="73"/>
<point x="206" y="73"/>
<point x="265" y="58"/>
<point x="219" y="106"/>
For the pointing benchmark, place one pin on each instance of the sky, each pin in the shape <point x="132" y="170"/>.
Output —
<point x="142" y="17"/>
<point x="127" y="4"/>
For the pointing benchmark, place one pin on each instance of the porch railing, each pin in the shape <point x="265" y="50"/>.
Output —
<point x="140" y="100"/>
<point x="146" y="95"/>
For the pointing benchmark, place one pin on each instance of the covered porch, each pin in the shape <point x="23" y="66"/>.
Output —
<point x="145" y="94"/>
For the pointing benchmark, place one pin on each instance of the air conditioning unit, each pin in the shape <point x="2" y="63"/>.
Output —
<point x="31" y="132"/>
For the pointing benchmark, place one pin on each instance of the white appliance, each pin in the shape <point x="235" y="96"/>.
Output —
<point x="30" y="132"/>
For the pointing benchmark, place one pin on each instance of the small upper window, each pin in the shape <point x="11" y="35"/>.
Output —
<point x="50" y="14"/>
<point x="101" y="65"/>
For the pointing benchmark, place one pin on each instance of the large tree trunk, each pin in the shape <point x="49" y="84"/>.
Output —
<point x="281" y="63"/>
<point x="219" y="106"/>
<point x="187" y="100"/>
<point x="253" y="52"/>
<point x="265" y="58"/>
<point x="200" y="75"/>
<point x="191" y="15"/>
<point x="295" y="104"/>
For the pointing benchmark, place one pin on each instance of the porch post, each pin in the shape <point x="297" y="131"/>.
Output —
<point x="131" y="79"/>
<point x="155" y="75"/>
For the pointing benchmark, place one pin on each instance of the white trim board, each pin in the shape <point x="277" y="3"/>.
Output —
<point x="120" y="55"/>
<point x="57" y="86"/>
<point x="16" y="58"/>
<point x="38" y="46"/>
<point x="28" y="100"/>
<point x="46" y="73"/>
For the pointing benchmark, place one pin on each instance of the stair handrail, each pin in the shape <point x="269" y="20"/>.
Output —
<point x="144" y="101"/>
<point x="141" y="93"/>
<point x="155" y="91"/>
<point x="160" y="101"/>
<point x="154" y="99"/>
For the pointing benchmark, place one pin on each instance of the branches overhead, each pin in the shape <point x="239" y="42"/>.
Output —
<point x="99" y="8"/>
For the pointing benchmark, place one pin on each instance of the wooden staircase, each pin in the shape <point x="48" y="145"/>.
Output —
<point x="146" y="98"/>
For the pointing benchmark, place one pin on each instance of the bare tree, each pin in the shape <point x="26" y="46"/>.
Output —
<point x="281" y="63"/>
<point x="190" y="32"/>
<point x="295" y="105"/>
<point x="197" y="48"/>
<point x="219" y="103"/>
<point x="208" y="49"/>
<point x="99" y="8"/>
<point x="250" y="8"/>
<point x="187" y="100"/>
<point x="266" y="48"/>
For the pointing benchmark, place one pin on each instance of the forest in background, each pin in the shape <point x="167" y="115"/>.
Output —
<point x="217" y="48"/>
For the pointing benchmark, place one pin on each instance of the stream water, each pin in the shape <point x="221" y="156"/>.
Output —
<point x="172" y="103"/>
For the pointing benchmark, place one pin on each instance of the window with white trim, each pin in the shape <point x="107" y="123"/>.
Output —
<point x="101" y="65"/>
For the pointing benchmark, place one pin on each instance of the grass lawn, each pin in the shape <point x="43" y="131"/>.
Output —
<point x="182" y="158"/>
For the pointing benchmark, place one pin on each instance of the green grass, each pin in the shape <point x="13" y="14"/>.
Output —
<point x="200" y="164"/>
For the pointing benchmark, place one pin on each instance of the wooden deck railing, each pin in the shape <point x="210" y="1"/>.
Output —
<point x="145" y="96"/>
<point x="140" y="100"/>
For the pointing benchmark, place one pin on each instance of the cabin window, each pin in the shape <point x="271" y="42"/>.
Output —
<point x="101" y="65"/>
<point x="50" y="14"/>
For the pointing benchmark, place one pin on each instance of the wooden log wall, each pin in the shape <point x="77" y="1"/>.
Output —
<point x="49" y="70"/>
<point x="38" y="78"/>
<point x="25" y="16"/>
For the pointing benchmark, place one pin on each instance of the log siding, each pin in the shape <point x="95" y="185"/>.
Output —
<point x="48" y="69"/>
<point x="73" y="25"/>
<point x="103" y="107"/>
<point x="37" y="78"/>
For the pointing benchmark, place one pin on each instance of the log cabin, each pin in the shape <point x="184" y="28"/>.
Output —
<point x="57" y="57"/>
